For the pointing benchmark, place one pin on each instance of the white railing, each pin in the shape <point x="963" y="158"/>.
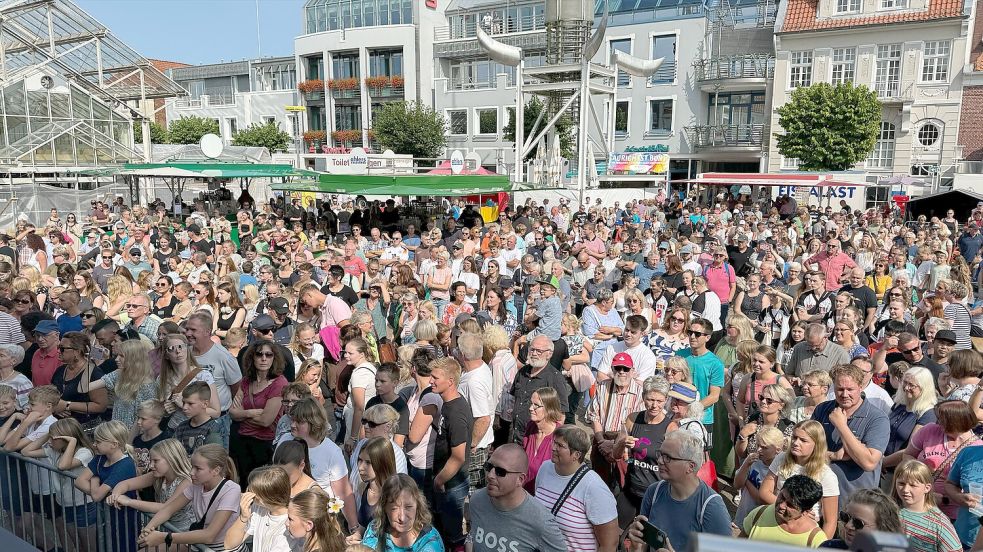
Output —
<point x="495" y="27"/>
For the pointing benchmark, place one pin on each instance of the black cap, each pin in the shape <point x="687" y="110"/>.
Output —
<point x="279" y="305"/>
<point x="946" y="335"/>
<point x="194" y="229"/>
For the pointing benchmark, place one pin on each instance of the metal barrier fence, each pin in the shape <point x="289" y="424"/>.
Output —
<point x="40" y="505"/>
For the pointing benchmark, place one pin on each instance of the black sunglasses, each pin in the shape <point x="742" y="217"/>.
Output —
<point x="88" y="315"/>
<point x="499" y="470"/>
<point x="622" y="369"/>
<point x="693" y="333"/>
<point x="370" y="424"/>
<point x="857" y="523"/>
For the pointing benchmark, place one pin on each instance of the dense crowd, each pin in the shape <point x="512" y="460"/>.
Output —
<point x="325" y="377"/>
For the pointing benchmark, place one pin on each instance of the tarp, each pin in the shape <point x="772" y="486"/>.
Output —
<point x="935" y="205"/>
<point x="445" y="168"/>
<point x="405" y="185"/>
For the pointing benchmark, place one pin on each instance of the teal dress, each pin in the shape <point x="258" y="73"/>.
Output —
<point x="428" y="541"/>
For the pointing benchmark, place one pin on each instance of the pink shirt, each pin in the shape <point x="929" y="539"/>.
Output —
<point x="929" y="446"/>
<point x="719" y="279"/>
<point x="832" y="267"/>
<point x="43" y="366"/>
<point x="536" y="456"/>
<point x="355" y="266"/>
<point x="334" y="311"/>
<point x="259" y="400"/>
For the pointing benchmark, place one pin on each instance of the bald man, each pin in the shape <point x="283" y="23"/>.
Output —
<point x="504" y="516"/>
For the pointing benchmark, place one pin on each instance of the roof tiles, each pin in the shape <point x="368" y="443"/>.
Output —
<point x="802" y="15"/>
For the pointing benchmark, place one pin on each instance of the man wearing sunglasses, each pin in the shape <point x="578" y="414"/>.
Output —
<point x="504" y="516"/>
<point x="909" y="349"/>
<point x="706" y="368"/>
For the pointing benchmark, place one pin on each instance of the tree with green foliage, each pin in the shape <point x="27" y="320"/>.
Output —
<point x="410" y="128"/>
<point x="564" y="126"/>
<point x="158" y="134"/>
<point x="189" y="130"/>
<point x="268" y="135"/>
<point x="829" y="128"/>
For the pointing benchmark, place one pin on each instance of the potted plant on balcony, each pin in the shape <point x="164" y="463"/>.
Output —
<point x="344" y="88"/>
<point x="396" y="81"/>
<point x="312" y="89"/>
<point x="347" y="137"/>
<point x="315" y="138"/>
<point x="376" y="83"/>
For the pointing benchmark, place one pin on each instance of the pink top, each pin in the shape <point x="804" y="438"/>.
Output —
<point x="832" y="267"/>
<point x="536" y="456"/>
<point x="334" y="311"/>
<point x="719" y="279"/>
<point x="929" y="446"/>
<point x="259" y="400"/>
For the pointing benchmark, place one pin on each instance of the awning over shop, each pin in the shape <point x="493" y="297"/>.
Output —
<point x="406" y="185"/>
<point x="215" y="170"/>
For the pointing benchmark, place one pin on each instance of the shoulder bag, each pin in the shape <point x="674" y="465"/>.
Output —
<point x="200" y="524"/>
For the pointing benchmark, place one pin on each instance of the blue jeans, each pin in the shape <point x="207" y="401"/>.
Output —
<point x="449" y="513"/>
<point x="226" y="428"/>
<point x="424" y="480"/>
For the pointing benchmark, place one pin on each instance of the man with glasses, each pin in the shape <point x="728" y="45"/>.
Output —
<point x="588" y="513"/>
<point x="535" y="374"/>
<point x="504" y="516"/>
<point x="705" y="367"/>
<point x="816" y="352"/>
<point x="788" y="520"/>
<point x="141" y="319"/>
<point x="833" y="262"/>
<point x="721" y="278"/>
<point x="909" y="349"/>
<point x="642" y="357"/>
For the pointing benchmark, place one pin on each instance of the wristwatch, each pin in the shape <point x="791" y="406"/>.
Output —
<point x="68" y="406"/>
<point x="168" y="538"/>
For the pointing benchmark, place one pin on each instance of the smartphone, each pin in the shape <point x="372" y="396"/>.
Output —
<point x="653" y="536"/>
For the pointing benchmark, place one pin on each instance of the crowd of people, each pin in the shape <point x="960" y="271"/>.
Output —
<point x="323" y="377"/>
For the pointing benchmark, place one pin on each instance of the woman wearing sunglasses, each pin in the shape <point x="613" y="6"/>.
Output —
<point x="257" y="406"/>
<point x="772" y="405"/>
<point x="866" y="509"/>
<point x="178" y="369"/>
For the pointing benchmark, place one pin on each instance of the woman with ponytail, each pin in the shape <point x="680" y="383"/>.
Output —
<point x="309" y="517"/>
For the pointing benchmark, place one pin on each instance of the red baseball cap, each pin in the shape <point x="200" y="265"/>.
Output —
<point x="623" y="359"/>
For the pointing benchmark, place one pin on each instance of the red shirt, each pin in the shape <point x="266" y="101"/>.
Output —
<point x="259" y="400"/>
<point x="354" y="266"/>
<point x="832" y="267"/>
<point x="43" y="366"/>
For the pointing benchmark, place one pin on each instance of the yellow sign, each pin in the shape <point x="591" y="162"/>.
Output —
<point x="296" y="108"/>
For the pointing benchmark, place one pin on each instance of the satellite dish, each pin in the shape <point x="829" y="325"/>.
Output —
<point x="211" y="146"/>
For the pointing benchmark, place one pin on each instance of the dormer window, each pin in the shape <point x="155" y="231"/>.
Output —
<point x="848" y="6"/>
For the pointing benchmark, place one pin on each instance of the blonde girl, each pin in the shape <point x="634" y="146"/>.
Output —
<point x="69" y="450"/>
<point x="309" y="373"/>
<point x="262" y="518"/>
<point x="214" y="473"/>
<point x="112" y="465"/>
<point x="309" y="518"/>
<point x="739" y="373"/>
<point x="928" y="529"/>
<point x="133" y="383"/>
<point x="169" y="474"/>
<point x="806" y="455"/>
<point x="752" y="471"/>
<point x="118" y="290"/>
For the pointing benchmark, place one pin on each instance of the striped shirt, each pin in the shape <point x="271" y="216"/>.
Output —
<point x="960" y="319"/>
<point x="612" y="411"/>
<point x="930" y="531"/>
<point x="591" y="503"/>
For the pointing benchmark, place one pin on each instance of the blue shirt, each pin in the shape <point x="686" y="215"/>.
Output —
<point x="645" y="272"/>
<point x="708" y="371"/>
<point x="702" y="512"/>
<point x="969" y="246"/>
<point x="412" y="241"/>
<point x="872" y="428"/>
<point x="968" y="468"/>
<point x="428" y="541"/>
<point x="68" y="323"/>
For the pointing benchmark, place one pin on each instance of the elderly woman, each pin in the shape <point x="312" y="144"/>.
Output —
<point x="380" y="420"/>
<point x="914" y="408"/>
<point x="503" y="366"/>
<point x="11" y="356"/>
<point x="815" y="389"/>
<point x="646" y="432"/>
<point x="602" y="324"/>
<point x="680" y="459"/>
<point x="545" y="415"/>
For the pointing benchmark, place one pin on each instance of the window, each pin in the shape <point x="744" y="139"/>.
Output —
<point x="847" y="6"/>
<point x="487" y="121"/>
<point x="887" y="78"/>
<point x="935" y="61"/>
<point x="344" y="66"/>
<point x="386" y="63"/>
<point x="621" y="110"/>
<point x="929" y="134"/>
<point x="661" y="116"/>
<point x="622" y="45"/>
<point x="790" y="163"/>
<point x="233" y="127"/>
<point x="883" y="155"/>
<point x="800" y="73"/>
<point x="196" y="89"/>
<point x="844" y="62"/>
<point x="480" y="73"/>
<point x="737" y="109"/>
<point x="458" y="121"/>
<point x="348" y="117"/>
<point x="269" y="120"/>
<point x="664" y="47"/>
<point x="894" y="4"/>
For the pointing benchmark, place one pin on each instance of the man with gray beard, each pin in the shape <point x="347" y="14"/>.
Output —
<point x="537" y="373"/>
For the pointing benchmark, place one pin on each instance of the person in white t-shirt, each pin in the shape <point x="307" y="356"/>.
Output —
<point x="588" y="517"/>
<point x="477" y="387"/>
<point x="641" y="355"/>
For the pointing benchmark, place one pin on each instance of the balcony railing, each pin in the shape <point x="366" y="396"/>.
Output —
<point x="744" y="66"/>
<point x="726" y="136"/>
<point x="206" y="100"/>
<point x="471" y="84"/>
<point x="497" y="27"/>
<point x="894" y="91"/>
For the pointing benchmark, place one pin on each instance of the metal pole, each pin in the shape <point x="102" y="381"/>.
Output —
<point x="520" y="122"/>
<point x="582" y="129"/>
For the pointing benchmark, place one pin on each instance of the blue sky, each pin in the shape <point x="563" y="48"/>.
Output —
<point x="201" y="31"/>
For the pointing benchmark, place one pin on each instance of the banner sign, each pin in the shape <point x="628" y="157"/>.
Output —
<point x="638" y="163"/>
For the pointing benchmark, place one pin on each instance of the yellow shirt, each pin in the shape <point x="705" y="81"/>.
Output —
<point x="760" y="524"/>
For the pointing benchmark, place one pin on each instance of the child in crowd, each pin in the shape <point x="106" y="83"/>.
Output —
<point x="293" y="456"/>
<point x="386" y="379"/>
<point x="753" y="470"/>
<point x="112" y="465"/>
<point x="33" y="425"/>
<point x="8" y="403"/>
<point x="309" y="518"/>
<point x="169" y="474"/>
<point x="927" y="528"/>
<point x="13" y="478"/>
<point x="199" y="428"/>
<point x="149" y="432"/>
<point x="291" y="394"/>
<point x="262" y="519"/>
<point x="214" y="497"/>
<point x="69" y="450"/>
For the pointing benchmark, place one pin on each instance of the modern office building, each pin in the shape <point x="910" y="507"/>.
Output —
<point x="356" y="55"/>
<point x="911" y="52"/>
<point x="237" y="94"/>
